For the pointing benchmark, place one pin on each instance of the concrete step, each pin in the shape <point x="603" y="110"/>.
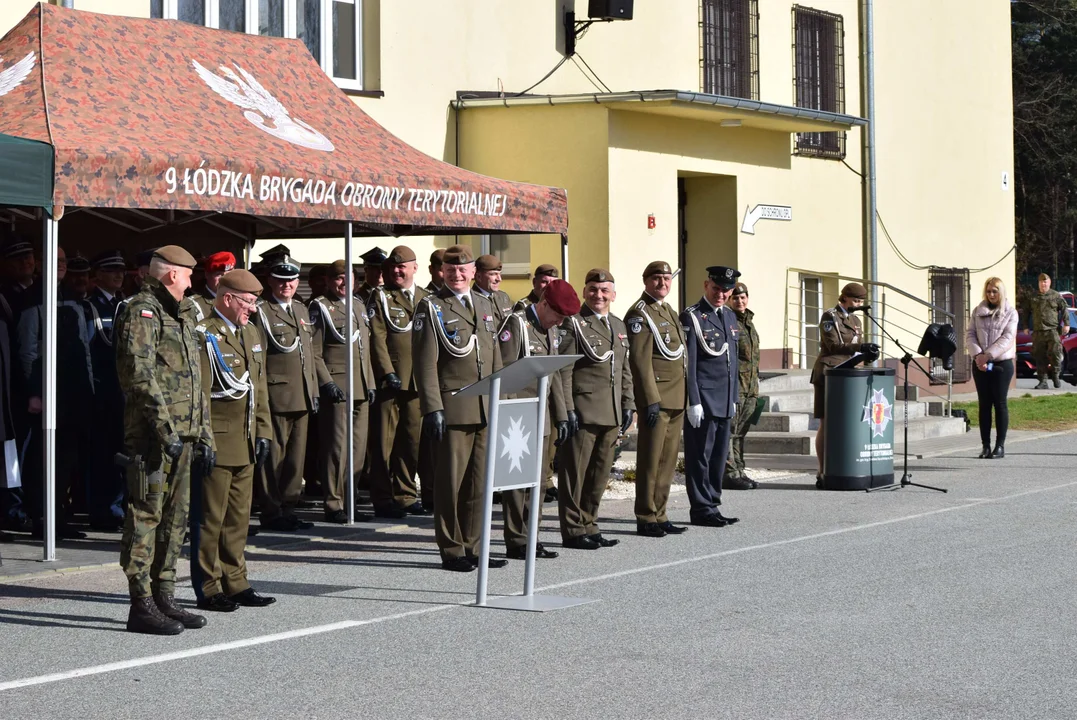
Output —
<point x="784" y="422"/>
<point x="783" y="380"/>
<point x="803" y="442"/>
<point x="788" y="401"/>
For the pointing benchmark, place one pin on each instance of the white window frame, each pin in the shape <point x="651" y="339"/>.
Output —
<point x="212" y="13"/>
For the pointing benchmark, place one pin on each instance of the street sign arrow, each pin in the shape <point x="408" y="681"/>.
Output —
<point x="764" y="212"/>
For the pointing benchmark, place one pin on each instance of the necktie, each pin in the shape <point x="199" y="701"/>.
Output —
<point x="466" y="302"/>
<point x="407" y="296"/>
<point x="606" y="322"/>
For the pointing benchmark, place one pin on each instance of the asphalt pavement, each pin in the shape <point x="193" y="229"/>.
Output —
<point x="903" y="604"/>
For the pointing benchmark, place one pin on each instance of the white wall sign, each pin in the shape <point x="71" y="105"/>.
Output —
<point x="765" y="212"/>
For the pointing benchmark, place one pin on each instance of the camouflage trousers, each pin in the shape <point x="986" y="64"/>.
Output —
<point x="734" y="464"/>
<point x="154" y="526"/>
<point x="1047" y="352"/>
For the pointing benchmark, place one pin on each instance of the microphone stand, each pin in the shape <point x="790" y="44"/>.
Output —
<point x="906" y="358"/>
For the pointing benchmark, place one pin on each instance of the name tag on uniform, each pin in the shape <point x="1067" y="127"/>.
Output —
<point x="257" y="348"/>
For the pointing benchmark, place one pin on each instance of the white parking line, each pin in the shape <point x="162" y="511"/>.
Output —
<point x="346" y="624"/>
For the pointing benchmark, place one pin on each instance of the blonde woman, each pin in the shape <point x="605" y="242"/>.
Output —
<point x="991" y="341"/>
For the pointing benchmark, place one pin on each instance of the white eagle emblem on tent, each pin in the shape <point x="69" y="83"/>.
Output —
<point x="10" y="78"/>
<point x="262" y="109"/>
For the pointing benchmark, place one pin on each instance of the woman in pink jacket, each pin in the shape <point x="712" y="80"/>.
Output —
<point x="991" y="340"/>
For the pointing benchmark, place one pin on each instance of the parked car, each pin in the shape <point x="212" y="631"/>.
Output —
<point x="1069" y="298"/>
<point x="1026" y="366"/>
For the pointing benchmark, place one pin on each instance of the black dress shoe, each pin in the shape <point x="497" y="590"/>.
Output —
<point x="298" y="523"/>
<point x="393" y="513"/>
<point x="337" y="516"/>
<point x="281" y="523"/>
<point x="726" y="520"/>
<point x="1000" y="452"/>
<point x="604" y="542"/>
<point x="986" y="454"/>
<point x="818" y="482"/>
<point x="737" y="483"/>
<point x="709" y="521"/>
<point x="672" y="529"/>
<point x="580" y="542"/>
<point x="250" y="598"/>
<point x="520" y="553"/>
<point x="5" y="538"/>
<point x="650" y="530"/>
<point x="111" y="525"/>
<point x="416" y="508"/>
<point x="550" y="495"/>
<point x="493" y="564"/>
<point x="252" y="531"/>
<point x="459" y="564"/>
<point x="218" y="603"/>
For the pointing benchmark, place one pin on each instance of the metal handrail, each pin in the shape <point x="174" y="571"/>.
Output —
<point x="888" y="286"/>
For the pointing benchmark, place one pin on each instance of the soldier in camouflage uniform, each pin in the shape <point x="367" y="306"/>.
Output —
<point x="166" y="429"/>
<point x="1048" y="316"/>
<point x="748" y="372"/>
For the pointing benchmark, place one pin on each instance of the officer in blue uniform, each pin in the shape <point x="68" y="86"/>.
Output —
<point x="711" y="329"/>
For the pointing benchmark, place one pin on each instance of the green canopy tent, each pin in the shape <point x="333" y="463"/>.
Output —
<point x="26" y="172"/>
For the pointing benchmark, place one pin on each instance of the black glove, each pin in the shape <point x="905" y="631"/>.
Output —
<point x="332" y="391"/>
<point x="174" y="449"/>
<point x="562" y="433"/>
<point x="315" y="404"/>
<point x="261" y="451"/>
<point x="626" y="419"/>
<point x="370" y="396"/>
<point x="434" y="425"/>
<point x="204" y="458"/>
<point x="391" y="381"/>
<point x="869" y="348"/>
<point x="652" y="414"/>
<point x="573" y="423"/>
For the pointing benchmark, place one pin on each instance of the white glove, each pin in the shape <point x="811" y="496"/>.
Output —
<point x="695" y="415"/>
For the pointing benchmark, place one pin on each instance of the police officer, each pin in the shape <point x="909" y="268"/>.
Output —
<point x="657" y="357"/>
<point x="398" y="418"/>
<point x="234" y="377"/>
<point x="840" y="337"/>
<point x="372" y="260"/>
<point x="166" y="428"/>
<point x="331" y="341"/>
<point x="455" y="345"/>
<point x="536" y="330"/>
<point x="487" y="282"/>
<point x="1049" y="316"/>
<point x="106" y="478"/>
<point x="598" y="395"/>
<point x="215" y="266"/>
<point x="437" y="274"/>
<point x="748" y="385"/>
<point x="543" y="276"/>
<point x="19" y="267"/>
<point x="292" y="385"/>
<point x="711" y="330"/>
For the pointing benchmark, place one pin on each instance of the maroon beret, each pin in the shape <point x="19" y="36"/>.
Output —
<point x="561" y="297"/>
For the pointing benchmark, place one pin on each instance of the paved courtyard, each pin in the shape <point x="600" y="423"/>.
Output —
<point x="905" y="604"/>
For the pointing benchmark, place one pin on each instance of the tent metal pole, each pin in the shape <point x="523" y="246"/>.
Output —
<point x="48" y="353"/>
<point x="564" y="256"/>
<point x="349" y="403"/>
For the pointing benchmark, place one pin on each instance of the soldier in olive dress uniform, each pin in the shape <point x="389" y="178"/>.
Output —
<point x="215" y="266"/>
<point x="487" y="282"/>
<point x="659" y="368"/>
<point x="748" y="385"/>
<point x="437" y="274"/>
<point x="598" y="395"/>
<point x="372" y="278"/>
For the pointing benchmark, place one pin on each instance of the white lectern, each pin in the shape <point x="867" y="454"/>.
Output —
<point x="514" y="447"/>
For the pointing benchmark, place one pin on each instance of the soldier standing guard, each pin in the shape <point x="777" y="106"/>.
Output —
<point x="656" y="345"/>
<point x="748" y="385"/>
<point x="331" y="341"/>
<point x="455" y="345"/>
<point x="1049" y="316"/>
<point x="216" y="265"/>
<point x="487" y="282"/>
<point x="292" y="384"/>
<point x="234" y="378"/>
<point x="711" y="351"/>
<point x="398" y="417"/>
<point x="166" y="428"/>
<point x="536" y="330"/>
<point x="598" y="394"/>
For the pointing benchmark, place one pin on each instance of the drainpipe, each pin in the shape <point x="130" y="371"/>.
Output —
<point x="69" y="4"/>
<point x="867" y="155"/>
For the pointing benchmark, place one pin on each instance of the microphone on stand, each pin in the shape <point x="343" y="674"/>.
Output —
<point x="863" y="308"/>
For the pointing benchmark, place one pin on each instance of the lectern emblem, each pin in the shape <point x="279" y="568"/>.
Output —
<point x="878" y="413"/>
<point x="515" y="444"/>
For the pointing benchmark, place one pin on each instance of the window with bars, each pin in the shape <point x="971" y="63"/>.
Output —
<point x="950" y="289"/>
<point x="729" y="35"/>
<point x="334" y="25"/>
<point x="819" y="77"/>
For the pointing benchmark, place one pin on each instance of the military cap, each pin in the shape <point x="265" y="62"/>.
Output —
<point x="437" y="258"/>
<point x="722" y="276"/>
<point x="855" y="291"/>
<point x="219" y="261"/>
<point x="175" y="255"/>
<point x="337" y="267"/>
<point x="241" y="281"/>
<point x="740" y="289"/>
<point x="658" y="267"/>
<point x="488" y="262"/>
<point x="374" y="256"/>
<point x="598" y="275"/>
<point x="275" y="252"/>
<point x="18" y="247"/>
<point x="458" y="255"/>
<point x="78" y="264"/>
<point x="561" y="297"/>
<point x="318" y="271"/>
<point x="400" y="254"/>
<point x="109" y="260"/>
<point x="143" y="258"/>
<point x="284" y="267"/>
<point x="546" y="270"/>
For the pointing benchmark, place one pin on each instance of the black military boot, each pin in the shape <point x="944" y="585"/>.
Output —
<point x="145" y="618"/>
<point x="1042" y="384"/>
<point x="1056" y="381"/>
<point x="168" y="607"/>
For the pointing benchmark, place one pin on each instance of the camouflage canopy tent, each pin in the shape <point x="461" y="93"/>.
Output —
<point x="163" y="130"/>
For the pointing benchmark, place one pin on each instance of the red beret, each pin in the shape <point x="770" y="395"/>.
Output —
<point x="561" y="297"/>
<point x="220" y="261"/>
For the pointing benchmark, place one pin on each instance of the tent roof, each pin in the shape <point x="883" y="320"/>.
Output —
<point x="160" y="115"/>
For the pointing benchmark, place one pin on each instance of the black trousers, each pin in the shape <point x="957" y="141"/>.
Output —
<point x="991" y="390"/>
<point x="705" y="451"/>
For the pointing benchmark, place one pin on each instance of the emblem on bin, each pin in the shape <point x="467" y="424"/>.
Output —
<point x="878" y="413"/>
